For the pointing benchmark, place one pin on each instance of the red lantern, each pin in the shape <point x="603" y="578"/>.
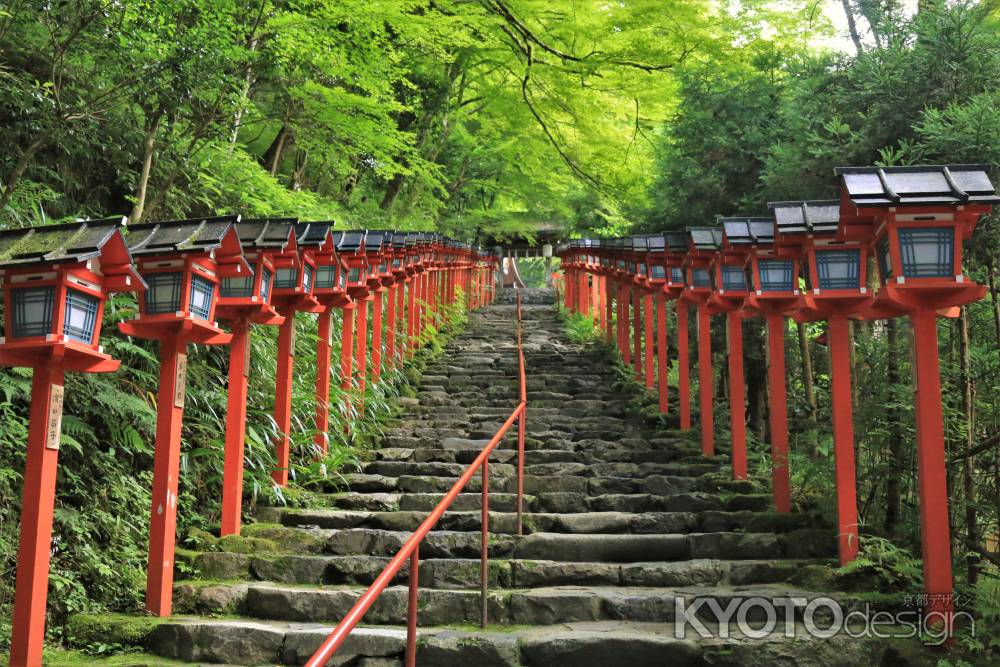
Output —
<point x="703" y="244"/>
<point x="182" y="263"/>
<point x="55" y="282"/>
<point x="916" y="218"/>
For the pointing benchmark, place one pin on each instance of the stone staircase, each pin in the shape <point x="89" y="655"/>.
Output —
<point x="623" y="518"/>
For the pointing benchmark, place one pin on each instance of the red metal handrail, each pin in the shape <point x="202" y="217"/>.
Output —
<point x="411" y="548"/>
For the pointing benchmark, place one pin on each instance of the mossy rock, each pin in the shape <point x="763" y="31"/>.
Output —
<point x="242" y="544"/>
<point x="413" y="375"/>
<point x="83" y="630"/>
<point x="201" y="540"/>
<point x="815" y="578"/>
<point x="779" y="522"/>
<point x="291" y="540"/>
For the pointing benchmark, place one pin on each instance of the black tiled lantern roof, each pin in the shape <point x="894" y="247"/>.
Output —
<point x="638" y="243"/>
<point x="399" y="240"/>
<point x="352" y="241"/>
<point x="705" y="238"/>
<point x="312" y="233"/>
<point x="748" y="231"/>
<point x="656" y="242"/>
<point x="265" y="233"/>
<point x="676" y="241"/>
<point x="179" y="236"/>
<point x="918" y="185"/>
<point x="50" y="244"/>
<point x="806" y="217"/>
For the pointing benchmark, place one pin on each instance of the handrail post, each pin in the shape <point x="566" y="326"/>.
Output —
<point x="520" y="467"/>
<point x="484" y="556"/>
<point x="411" y="609"/>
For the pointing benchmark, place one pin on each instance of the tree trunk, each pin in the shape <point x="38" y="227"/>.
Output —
<point x="807" y="380"/>
<point x="969" y="466"/>
<point x="148" y="148"/>
<point x="852" y="27"/>
<point x="20" y="167"/>
<point x="392" y="192"/>
<point x="897" y="462"/>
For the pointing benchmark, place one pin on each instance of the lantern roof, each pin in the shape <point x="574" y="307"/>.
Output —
<point x="918" y="185"/>
<point x="748" y="231"/>
<point x="638" y="243"/>
<point x="72" y="242"/>
<point x="806" y="217"/>
<point x="313" y="234"/>
<point x="656" y="242"/>
<point x="353" y="241"/>
<point x="676" y="241"/>
<point x="183" y="236"/>
<point x="399" y="240"/>
<point x="705" y="238"/>
<point x="265" y="233"/>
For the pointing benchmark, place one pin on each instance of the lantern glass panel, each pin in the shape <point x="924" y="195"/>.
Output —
<point x="397" y="262"/>
<point x="884" y="259"/>
<point x="382" y="268"/>
<point x="80" y="316"/>
<point x="927" y="253"/>
<point x="621" y="264"/>
<point x="202" y="292"/>
<point x="238" y="287"/>
<point x="326" y="277"/>
<point x="265" y="285"/>
<point x="659" y="273"/>
<point x="286" y="279"/>
<point x="733" y="279"/>
<point x="163" y="293"/>
<point x="354" y="274"/>
<point x="642" y="269"/>
<point x="32" y="314"/>
<point x="838" y="269"/>
<point x="677" y="275"/>
<point x="307" y="277"/>
<point x="776" y="275"/>
<point x="700" y="278"/>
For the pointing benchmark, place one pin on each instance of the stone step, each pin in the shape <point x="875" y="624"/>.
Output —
<point x="460" y="573"/>
<point x="537" y="606"/>
<point x="580" y="522"/>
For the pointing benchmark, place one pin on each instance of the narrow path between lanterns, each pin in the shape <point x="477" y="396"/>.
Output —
<point x="625" y="522"/>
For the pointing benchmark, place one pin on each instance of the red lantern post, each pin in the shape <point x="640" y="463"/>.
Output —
<point x="352" y="251"/>
<point x="182" y="263"/>
<point x="637" y="249"/>
<point x="245" y="300"/>
<point x="295" y="271"/>
<point x="916" y="218"/>
<point x="703" y="243"/>
<point x="55" y="282"/>
<point x="729" y="296"/>
<point x="378" y="247"/>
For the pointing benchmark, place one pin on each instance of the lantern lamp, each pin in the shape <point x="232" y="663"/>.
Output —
<point x="916" y="218"/>
<point x="55" y="281"/>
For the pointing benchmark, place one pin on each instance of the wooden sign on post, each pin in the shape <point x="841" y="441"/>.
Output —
<point x="180" y="380"/>
<point x="53" y="429"/>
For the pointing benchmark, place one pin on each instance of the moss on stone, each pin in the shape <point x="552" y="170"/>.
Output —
<point x="815" y="578"/>
<point x="83" y="630"/>
<point x="291" y="540"/>
<point x="242" y="544"/>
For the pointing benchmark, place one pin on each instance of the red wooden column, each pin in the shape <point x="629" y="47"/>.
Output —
<point x="780" y="484"/>
<point x="932" y="475"/>
<point x="609" y="304"/>
<point x="661" y="351"/>
<point x="411" y="314"/>
<point x="600" y="281"/>
<point x="236" y="418"/>
<point x="595" y="296"/>
<point x="283" y="397"/>
<point x="683" y="364"/>
<point x="706" y="421"/>
<point x="647" y="299"/>
<point x="637" y="332"/>
<point x="377" y="333"/>
<point x="843" y="438"/>
<point x="166" y="469"/>
<point x="347" y="352"/>
<point x="361" y="349"/>
<point x="37" y="507"/>
<point x="624" y="340"/>
<point x="390" y="325"/>
<point x="569" y="280"/>
<point x="737" y="395"/>
<point x="401" y="321"/>
<point x="324" y="348"/>
<point x="583" y="292"/>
